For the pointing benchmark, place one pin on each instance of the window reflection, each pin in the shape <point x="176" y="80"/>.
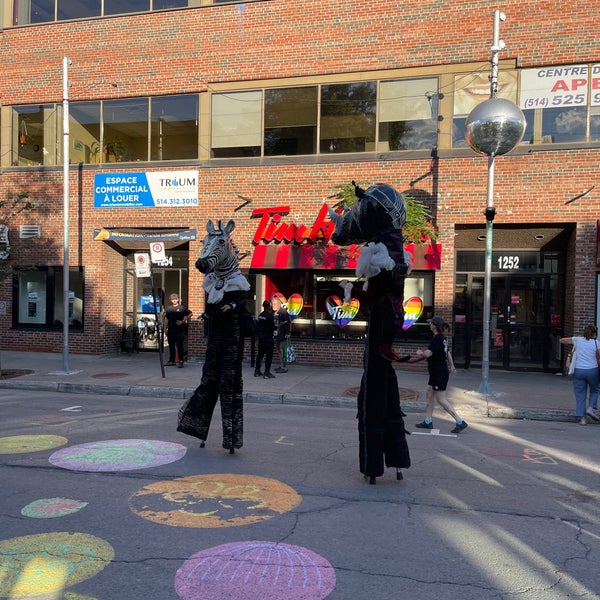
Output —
<point x="78" y="9"/>
<point x="125" y="130"/>
<point x="174" y="127"/>
<point x="348" y="117"/>
<point x="290" y="121"/>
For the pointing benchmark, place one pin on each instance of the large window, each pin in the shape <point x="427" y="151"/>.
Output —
<point x="108" y="131"/>
<point x="174" y="127"/>
<point x="348" y="117"/>
<point x="38" y="298"/>
<point x="323" y="294"/>
<point x="471" y="89"/>
<point x="408" y="114"/>
<point x="44" y="11"/>
<point x="34" y="139"/>
<point x="291" y="121"/>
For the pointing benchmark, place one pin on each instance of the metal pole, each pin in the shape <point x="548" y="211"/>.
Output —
<point x="490" y="212"/>
<point x="66" y="63"/>
<point x="484" y="388"/>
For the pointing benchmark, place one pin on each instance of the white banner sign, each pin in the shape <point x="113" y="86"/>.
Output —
<point x="554" y="87"/>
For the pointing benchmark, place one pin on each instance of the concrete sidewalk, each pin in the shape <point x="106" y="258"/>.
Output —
<point x="539" y="396"/>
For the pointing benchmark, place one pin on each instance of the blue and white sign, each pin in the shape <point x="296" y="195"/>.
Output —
<point x="146" y="189"/>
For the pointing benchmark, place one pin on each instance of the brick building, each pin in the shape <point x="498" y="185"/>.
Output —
<point x="179" y="114"/>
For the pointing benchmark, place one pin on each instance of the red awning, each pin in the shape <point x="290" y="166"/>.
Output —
<point x="329" y="256"/>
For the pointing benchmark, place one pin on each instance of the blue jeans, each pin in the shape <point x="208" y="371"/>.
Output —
<point x="582" y="380"/>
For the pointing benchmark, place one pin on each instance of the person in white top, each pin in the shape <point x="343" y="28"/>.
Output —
<point x="585" y="376"/>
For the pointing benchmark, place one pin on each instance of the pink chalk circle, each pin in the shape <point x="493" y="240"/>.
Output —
<point x="117" y="455"/>
<point x="255" y="571"/>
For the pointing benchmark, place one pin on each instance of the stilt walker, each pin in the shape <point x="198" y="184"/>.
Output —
<point x="226" y="290"/>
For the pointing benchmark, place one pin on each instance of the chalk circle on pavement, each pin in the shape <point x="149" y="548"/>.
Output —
<point x="44" y="564"/>
<point x="117" y="455"/>
<point x="253" y="571"/>
<point x="49" y="508"/>
<point x="18" y="444"/>
<point x="214" y="500"/>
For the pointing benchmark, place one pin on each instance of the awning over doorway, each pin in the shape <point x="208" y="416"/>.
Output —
<point x="133" y="239"/>
<point x="329" y="256"/>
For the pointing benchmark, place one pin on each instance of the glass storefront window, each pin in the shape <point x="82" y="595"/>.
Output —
<point x="323" y="293"/>
<point x="291" y="121"/>
<point x="348" y="117"/>
<point x="39" y="295"/>
<point x="174" y="127"/>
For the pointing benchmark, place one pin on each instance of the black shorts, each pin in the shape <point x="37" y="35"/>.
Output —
<point x="438" y="380"/>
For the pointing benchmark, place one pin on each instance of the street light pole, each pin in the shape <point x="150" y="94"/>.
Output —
<point x="66" y="63"/>
<point x="493" y="127"/>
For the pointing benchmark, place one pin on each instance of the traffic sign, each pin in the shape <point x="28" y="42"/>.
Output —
<point x="142" y="264"/>
<point x="157" y="252"/>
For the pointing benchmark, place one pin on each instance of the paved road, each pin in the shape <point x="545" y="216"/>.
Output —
<point x="507" y="510"/>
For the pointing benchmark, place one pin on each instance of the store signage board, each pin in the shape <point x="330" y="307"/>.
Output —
<point x="169" y="189"/>
<point x="552" y="87"/>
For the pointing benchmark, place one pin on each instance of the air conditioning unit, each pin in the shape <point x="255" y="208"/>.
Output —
<point x="30" y="231"/>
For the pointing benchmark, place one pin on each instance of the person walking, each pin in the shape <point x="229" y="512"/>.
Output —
<point x="176" y="316"/>
<point x="439" y="365"/>
<point x="585" y="375"/>
<point x="283" y="323"/>
<point x="266" y="343"/>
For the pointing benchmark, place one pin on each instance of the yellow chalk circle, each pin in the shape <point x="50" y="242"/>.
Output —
<point x="214" y="500"/>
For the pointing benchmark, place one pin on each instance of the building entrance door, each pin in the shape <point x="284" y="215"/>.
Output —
<point x="139" y="302"/>
<point x="521" y="337"/>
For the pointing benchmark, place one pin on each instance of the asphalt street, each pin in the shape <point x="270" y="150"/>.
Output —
<point x="114" y="504"/>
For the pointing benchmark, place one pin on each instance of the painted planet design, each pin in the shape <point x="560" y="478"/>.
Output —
<point x="213" y="500"/>
<point x="294" y="305"/>
<point x="117" y="455"/>
<point x="254" y="571"/>
<point x="17" y="444"/>
<point x="413" y="307"/>
<point x="48" y="508"/>
<point x="47" y="563"/>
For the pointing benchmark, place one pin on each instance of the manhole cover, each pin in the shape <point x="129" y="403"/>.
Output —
<point x="10" y="373"/>
<point x="406" y="394"/>
<point x="109" y="375"/>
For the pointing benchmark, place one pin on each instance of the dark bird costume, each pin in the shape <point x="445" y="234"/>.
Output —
<point x="377" y="218"/>
<point x="226" y="290"/>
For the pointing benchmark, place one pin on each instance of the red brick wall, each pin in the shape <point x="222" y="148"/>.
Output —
<point x="183" y="51"/>
<point x="187" y="51"/>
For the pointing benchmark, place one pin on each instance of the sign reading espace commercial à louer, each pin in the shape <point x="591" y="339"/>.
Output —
<point x="146" y="189"/>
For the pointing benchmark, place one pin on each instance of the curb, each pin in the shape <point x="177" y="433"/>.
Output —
<point x="486" y="410"/>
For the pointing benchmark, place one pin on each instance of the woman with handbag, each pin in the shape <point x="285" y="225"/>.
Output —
<point x="586" y="355"/>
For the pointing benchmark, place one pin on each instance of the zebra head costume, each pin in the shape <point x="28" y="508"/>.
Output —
<point x="219" y="262"/>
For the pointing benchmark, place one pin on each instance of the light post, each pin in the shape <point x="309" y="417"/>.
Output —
<point x="493" y="128"/>
<point x="66" y="63"/>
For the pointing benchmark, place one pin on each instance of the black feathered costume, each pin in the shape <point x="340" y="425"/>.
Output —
<point x="377" y="218"/>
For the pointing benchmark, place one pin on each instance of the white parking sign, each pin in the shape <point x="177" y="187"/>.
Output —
<point x="157" y="252"/>
<point x="142" y="264"/>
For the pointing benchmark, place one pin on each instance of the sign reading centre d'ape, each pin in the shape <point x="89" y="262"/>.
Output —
<point x="146" y="189"/>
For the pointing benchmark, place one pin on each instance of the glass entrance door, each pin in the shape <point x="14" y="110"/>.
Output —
<point x="520" y="332"/>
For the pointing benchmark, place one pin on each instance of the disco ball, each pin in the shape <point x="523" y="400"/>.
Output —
<point x="495" y="127"/>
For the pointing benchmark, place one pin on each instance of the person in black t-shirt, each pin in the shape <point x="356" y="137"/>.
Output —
<point x="284" y="331"/>
<point x="440" y="365"/>
<point x="176" y="317"/>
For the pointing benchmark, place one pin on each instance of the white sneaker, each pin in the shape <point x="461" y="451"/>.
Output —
<point x="592" y="414"/>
